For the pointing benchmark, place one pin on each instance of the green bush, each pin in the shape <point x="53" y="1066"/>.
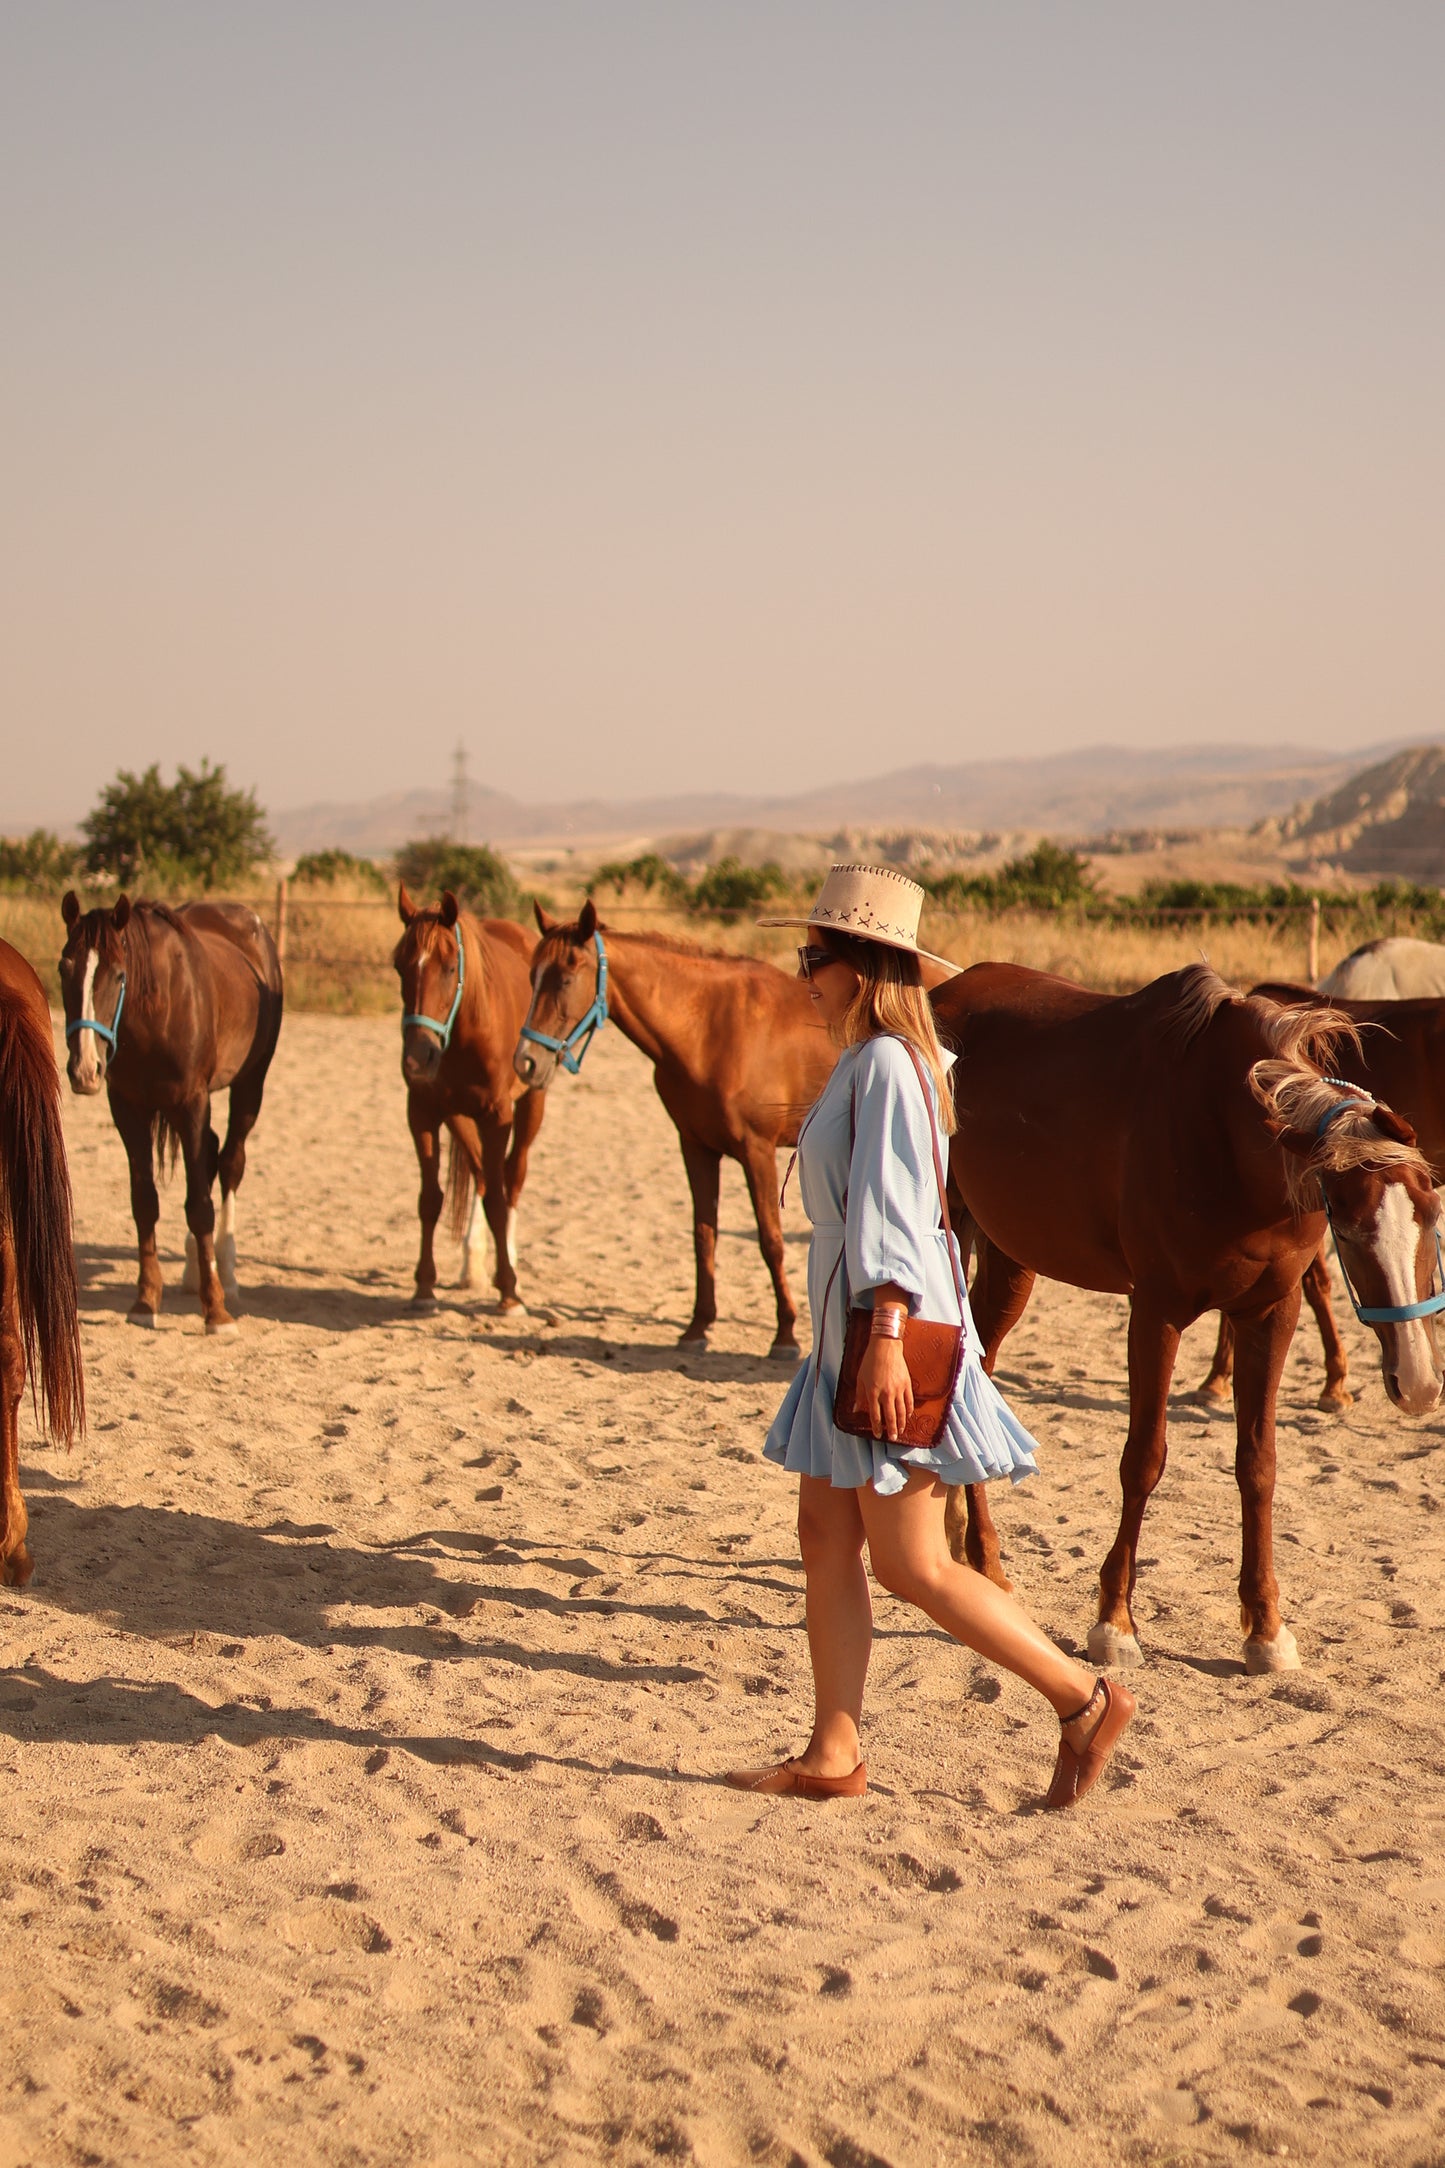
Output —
<point x="323" y="869"/>
<point x="647" y="872"/>
<point x="477" y="877"/>
<point x="732" y="887"/>
<point x="1047" y="876"/>
<point x="39" y="862"/>
<point x="195" y="829"/>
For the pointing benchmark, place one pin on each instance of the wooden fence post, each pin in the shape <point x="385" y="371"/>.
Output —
<point x="1314" y="955"/>
<point x="281" y="920"/>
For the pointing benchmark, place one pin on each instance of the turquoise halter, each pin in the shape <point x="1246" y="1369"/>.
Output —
<point x="429" y="1023"/>
<point x="1391" y="1313"/>
<point x="109" y="1031"/>
<point x="586" y="1027"/>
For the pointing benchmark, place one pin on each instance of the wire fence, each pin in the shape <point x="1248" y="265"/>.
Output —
<point x="336" y="951"/>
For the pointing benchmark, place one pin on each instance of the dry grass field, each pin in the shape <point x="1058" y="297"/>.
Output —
<point x="360" y="1729"/>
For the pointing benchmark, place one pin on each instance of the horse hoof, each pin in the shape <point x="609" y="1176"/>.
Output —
<point x="1214" y="1394"/>
<point x="223" y="1328"/>
<point x="1335" y="1399"/>
<point x="785" y="1351"/>
<point x="696" y="1341"/>
<point x="1111" y="1650"/>
<point x="141" y="1316"/>
<point x="1277" y="1655"/>
<point x="423" y="1299"/>
<point x="18" y="1568"/>
<point x="511" y="1306"/>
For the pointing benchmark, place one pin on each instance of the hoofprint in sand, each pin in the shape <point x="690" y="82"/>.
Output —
<point x="361" y="1723"/>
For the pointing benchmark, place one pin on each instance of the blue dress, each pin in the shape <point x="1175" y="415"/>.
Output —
<point x="893" y="1233"/>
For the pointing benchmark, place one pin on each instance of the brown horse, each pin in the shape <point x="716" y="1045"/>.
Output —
<point x="1133" y="1144"/>
<point x="165" y="1006"/>
<point x="1399" y="1058"/>
<point x="39" y="1316"/>
<point x="738" y="1057"/>
<point x="464" y="994"/>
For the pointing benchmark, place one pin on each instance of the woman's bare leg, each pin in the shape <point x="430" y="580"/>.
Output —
<point x="840" y="1622"/>
<point x="911" y="1558"/>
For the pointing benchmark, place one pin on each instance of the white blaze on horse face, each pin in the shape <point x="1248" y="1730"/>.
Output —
<point x="86" y="1064"/>
<point x="1395" y="1241"/>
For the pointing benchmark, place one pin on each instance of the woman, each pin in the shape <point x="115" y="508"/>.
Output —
<point x="870" y="1186"/>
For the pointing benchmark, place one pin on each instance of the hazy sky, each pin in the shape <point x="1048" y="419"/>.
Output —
<point x="716" y="394"/>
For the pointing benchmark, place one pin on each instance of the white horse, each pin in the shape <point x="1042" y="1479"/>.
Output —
<point x="1392" y="970"/>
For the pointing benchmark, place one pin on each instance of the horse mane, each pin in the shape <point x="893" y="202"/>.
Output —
<point x="140" y="970"/>
<point x="671" y="944"/>
<point x="1299" y="1035"/>
<point x="1296" y="1097"/>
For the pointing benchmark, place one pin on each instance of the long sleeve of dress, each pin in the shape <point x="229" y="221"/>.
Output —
<point x="892" y="1183"/>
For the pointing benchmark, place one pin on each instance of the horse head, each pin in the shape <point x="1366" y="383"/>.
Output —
<point x="92" y="981"/>
<point x="430" y="960"/>
<point x="1360" y="1160"/>
<point x="567" y="992"/>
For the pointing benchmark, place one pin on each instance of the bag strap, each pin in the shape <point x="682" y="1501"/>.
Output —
<point x="940" y="1176"/>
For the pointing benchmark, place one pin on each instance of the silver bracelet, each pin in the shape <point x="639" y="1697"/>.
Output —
<point x="887" y="1322"/>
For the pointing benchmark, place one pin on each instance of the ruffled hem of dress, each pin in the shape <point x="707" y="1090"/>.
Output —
<point x="982" y="1441"/>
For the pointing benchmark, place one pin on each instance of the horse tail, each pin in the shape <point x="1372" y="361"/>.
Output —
<point x="35" y="1220"/>
<point x="165" y="1144"/>
<point x="461" y="1188"/>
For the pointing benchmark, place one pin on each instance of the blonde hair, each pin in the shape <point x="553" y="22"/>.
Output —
<point x="890" y="1001"/>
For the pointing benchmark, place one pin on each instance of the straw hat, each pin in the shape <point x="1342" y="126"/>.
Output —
<point x="872" y="903"/>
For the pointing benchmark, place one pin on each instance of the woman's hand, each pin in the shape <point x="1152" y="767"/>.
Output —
<point x="885" y="1388"/>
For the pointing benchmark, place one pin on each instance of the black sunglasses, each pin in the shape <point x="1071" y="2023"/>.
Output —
<point x="813" y="959"/>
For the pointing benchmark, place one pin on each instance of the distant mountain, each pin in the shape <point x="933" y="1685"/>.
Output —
<point x="1078" y="794"/>
<point x="1388" y="820"/>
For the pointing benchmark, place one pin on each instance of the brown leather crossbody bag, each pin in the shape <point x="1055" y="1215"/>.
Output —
<point x="933" y="1352"/>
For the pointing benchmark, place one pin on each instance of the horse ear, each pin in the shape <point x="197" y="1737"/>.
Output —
<point x="70" y="907"/>
<point x="406" y="909"/>
<point x="120" y="912"/>
<point x="449" y="908"/>
<point x="1391" y="1124"/>
<point x="587" y="920"/>
<point x="545" y="921"/>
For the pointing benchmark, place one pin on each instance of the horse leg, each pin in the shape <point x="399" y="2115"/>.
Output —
<point x="704" y="1176"/>
<point x="1316" y="1286"/>
<point x="199" y="1151"/>
<point x="16" y="1564"/>
<point x="245" y="1106"/>
<point x="998" y="1299"/>
<point x="760" y="1165"/>
<point x="1153" y="1346"/>
<point x="426" y="1136"/>
<point x="494" y="1204"/>
<point x="134" y="1124"/>
<point x="526" y="1121"/>
<point x="1221" y="1370"/>
<point x="1263" y="1343"/>
<point x="464" y="1170"/>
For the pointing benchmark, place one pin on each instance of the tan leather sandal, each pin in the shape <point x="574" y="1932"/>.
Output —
<point x="1076" y="1772"/>
<point x="786" y="1780"/>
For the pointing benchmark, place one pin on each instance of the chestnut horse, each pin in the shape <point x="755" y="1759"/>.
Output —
<point x="738" y="1057"/>
<point x="165" y="1006"/>
<point x="39" y="1314"/>
<point x="464" y="993"/>
<point x="1399" y="1058"/>
<point x="1178" y="1146"/>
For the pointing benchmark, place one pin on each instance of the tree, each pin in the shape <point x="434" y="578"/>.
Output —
<point x="39" y="861"/>
<point x="477" y="877"/>
<point x="193" y="829"/>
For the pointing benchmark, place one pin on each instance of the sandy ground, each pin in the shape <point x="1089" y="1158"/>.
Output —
<point x="361" y="1725"/>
